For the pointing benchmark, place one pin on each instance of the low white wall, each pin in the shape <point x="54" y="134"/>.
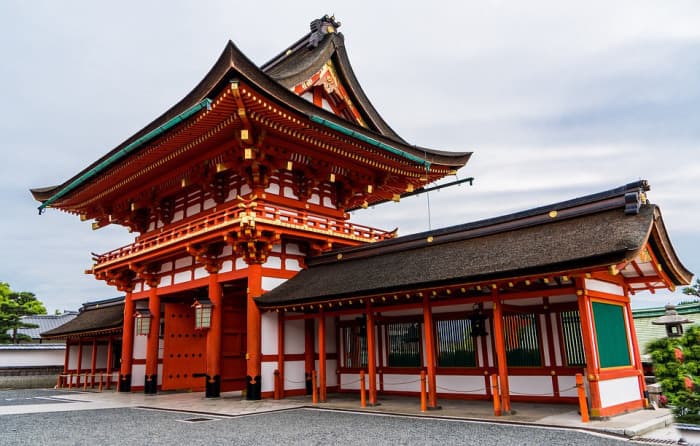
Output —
<point x="618" y="391"/>
<point x="32" y="357"/>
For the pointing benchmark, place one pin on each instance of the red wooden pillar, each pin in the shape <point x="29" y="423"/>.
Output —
<point x="635" y="346"/>
<point x="589" y="348"/>
<point x="280" y="353"/>
<point x="371" y="356"/>
<point x="254" y="352"/>
<point x="151" y="381"/>
<point x="430" y="352"/>
<point x="214" y="338"/>
<point x="322" y="355"/>
<point x="110" y="353"/>
<point x="93" y="362"/>
<point x="78" y="369"/>
<point x="66" y="357"/>
<point x="127" y="345"/>
<point x="499" y="338"/>
<point x="309" y="352"/>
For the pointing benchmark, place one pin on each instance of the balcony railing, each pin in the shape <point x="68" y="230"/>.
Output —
<point x="243" y="214"/>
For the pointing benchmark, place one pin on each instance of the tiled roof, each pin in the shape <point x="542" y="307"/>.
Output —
<point x="45" y="322"/>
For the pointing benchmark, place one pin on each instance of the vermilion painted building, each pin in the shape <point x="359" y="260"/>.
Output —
<point x="248" y="180"/>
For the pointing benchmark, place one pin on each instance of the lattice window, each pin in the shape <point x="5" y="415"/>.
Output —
<point x="353" y="340"/>
<point x="404" y="344"/>
<point x="573" y="340"/>
<point x="522" y="340"/>
<point x="455" y="343"/>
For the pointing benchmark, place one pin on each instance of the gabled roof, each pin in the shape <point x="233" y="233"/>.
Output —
<point x="45" y="322"/>
<point x="99" y="317"/>
<point x="233" y="64"/>
<point x="585" y="233"/>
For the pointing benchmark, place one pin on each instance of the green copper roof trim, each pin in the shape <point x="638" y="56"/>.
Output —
<point x="205" y="103"/>
<point x="369" y="140"/>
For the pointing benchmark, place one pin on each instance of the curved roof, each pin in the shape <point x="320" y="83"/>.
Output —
<point x="94" y="318"/>
<point x="233" y="64"/>
<point x="586" y="233"/>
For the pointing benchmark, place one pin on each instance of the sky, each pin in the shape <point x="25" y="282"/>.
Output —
<point x="556" y="100"/>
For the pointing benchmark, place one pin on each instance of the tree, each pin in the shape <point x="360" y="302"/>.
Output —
<point x="693" y="290"/>
<point x="14" y="305"/>
<point x="677" y="368"/>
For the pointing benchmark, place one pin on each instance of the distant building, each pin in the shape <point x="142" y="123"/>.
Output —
<point x="647" y="332"/>
<point x="44" y="322"/>
<point x="38" y="362"/>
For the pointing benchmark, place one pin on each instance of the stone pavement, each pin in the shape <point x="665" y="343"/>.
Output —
<point x="643" y="424"/>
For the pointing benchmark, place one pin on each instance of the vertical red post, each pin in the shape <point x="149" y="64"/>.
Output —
<point x="322" y="354"/>
<point x="363" y="389"/>
<point x="124" y="384"/>
<point x="583" y="405"/>
<point x="280" y="351"/>
<point x="254" y="342"/>
<point x="66" y="364"/>
<point x="110" y="354"/>
<point x="214" y="337"/>
<point x="592" y="371"/>
<point x="151" y="378"/>
<point x="93" y="363"/>
<point x="314" y="388"/>
<point x="636" y="353"/>
<point x="78" y="368"/>
<point x="499" y="338"/>
<point x="371" y="357"/>
<point x="276" y="390"/>
<point x="309" y="352"/>
<point x="496" y="397"/>
<point x="423" y="396"/>
<point x="430" y="352"/>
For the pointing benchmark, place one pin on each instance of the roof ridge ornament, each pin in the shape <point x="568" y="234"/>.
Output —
<point x="320" y="27"/>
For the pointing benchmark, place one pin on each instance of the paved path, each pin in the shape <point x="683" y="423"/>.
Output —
<point x="73" y="417"/>
<point x="134" y="426"/>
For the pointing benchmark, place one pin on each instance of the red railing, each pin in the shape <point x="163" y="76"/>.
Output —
<point x="243" y="214"/>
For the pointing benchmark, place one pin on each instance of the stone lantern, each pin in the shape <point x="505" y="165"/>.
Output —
<point x="673" y="322"/>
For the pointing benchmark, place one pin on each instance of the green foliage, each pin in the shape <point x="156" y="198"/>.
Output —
<point x="14" y="305"/>
<point x="694" y="289"/>
<point x="676" y="374"/>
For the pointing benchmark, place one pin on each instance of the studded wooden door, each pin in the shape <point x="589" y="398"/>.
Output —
<point x="233" y="362"/>
<point x="184" y="350"/>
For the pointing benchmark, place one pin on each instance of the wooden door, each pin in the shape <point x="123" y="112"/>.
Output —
<point x="233" y="362"/>
<point x="184" y="350"/>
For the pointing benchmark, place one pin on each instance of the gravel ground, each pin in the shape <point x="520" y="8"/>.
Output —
<point x="131" y="426"/>
<point x="32" y="396"/>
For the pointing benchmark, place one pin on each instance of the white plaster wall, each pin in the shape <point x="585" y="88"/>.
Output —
<point x="138" y="372"/>
<point x="240" y="264"/>
<point x="183" y="262"/>
<point x="293" y="249"/>
<point x="86" y="363"/>
<point x="468" y="385"/>
<point x="200" y="273"/>
<point x="604" y="287"/>
<point x="273" y="262"/>
<point x="267" y="376"/>
<point x="618" y="391"/>
<point x="404" y="383"/>
<point x="226" y="266"/>
<point x="22" y="358"/>
<point x="567" y="382"/>
<point x="531" y="385"/>
<point x="73" y="357"/>
<point x="294" y="375"/>
<point x="268" y="326"/>
<point x="351" y="381"/>
<point x="140" y="347"/>
<point x="269" y="283"/>
<point x="101" y="361"/>
<point x="294" y="337"/>
<point x="182" y="276"/>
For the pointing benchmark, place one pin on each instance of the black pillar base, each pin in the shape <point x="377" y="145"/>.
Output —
<point x="150" y="386"/>
<point x="253" y="388"/>
<point x="213" y="386"/>
<point x="125" y="383"/>
<point x="309" y="384"/>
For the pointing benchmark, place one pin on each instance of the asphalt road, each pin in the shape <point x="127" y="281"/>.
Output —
<point x="133" y="426"/>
